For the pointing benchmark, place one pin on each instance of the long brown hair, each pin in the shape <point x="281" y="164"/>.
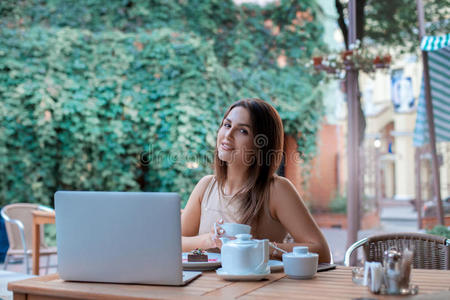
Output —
<point x="268" y="136"/>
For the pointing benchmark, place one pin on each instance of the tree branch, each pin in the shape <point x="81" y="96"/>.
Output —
<point x="341" y="22"/>
<point x="360" y="19"/>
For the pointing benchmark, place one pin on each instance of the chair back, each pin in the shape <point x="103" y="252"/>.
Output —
<point x="23" y="213"/>
<point x="430" y="251"/>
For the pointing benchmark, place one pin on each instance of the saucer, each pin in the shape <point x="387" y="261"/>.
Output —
<point x="299" y="277"/>
<point x="244" y="277"/>
<point x="276" y="265"/>
<point x="213" y="263"/>
<point x="412" y="290"/>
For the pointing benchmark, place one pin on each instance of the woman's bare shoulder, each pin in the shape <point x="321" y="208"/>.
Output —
<point x="282" y="185"/>
<point x="201" y="186"/>
<point x="206" y="179"/>
<point x="203" y="183"/>
<point x="282" y="195"/>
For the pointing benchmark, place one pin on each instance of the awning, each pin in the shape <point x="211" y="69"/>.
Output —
<point x="433" y="43"/>
<point x="439" y="66"/>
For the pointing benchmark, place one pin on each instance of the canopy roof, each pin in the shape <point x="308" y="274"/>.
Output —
<point x="433" y="43"/>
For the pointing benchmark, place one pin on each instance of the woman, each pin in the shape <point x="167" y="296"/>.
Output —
<point x="245" y="188"/>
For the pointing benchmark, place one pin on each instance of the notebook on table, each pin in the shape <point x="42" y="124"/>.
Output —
<point x="120" y="237"/>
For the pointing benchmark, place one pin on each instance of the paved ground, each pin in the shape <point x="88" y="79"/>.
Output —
<point x="20" y="266"/>
<point x="5" y="277"/>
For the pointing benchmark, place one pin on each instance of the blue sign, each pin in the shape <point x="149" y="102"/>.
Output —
<point x="401" y="91"/>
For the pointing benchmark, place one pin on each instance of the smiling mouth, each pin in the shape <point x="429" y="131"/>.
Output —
<point x="226" y="147"/>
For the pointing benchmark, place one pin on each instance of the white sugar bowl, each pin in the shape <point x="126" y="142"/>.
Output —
<point x="300" y="264"/>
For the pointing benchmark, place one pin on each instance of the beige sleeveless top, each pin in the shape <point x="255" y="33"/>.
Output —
<point x="217" y="206"/>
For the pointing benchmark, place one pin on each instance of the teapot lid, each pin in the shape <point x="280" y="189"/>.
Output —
<point x="299" y="250"/>
<point x="243" y="238"/>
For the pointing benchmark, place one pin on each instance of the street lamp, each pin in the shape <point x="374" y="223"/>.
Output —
<point x="377" y="143"/>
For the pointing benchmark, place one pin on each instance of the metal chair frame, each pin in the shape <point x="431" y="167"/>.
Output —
<point x="21" y="228"/>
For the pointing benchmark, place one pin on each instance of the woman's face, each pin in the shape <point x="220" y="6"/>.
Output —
<point x="235" y="138"/>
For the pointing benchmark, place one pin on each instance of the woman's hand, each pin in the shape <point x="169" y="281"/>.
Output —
<point x="212" y="239"/>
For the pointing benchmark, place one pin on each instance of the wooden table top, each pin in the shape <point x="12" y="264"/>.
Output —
<point x="44" y="217"/>
<point x="335" y="284"/>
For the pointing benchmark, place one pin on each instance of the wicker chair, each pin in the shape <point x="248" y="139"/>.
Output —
<point x="430" y="251"/>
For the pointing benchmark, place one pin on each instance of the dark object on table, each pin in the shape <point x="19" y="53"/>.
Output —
<point x="325" y="267"/>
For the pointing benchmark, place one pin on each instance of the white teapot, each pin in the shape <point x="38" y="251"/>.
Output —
<point x="244" y="256"/>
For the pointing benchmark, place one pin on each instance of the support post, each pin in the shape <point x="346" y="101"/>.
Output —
<point x="353" y="217"/>
<point x="378" y="179"/>
<point x="430" y="119"/>
<point x="418" y="188"/>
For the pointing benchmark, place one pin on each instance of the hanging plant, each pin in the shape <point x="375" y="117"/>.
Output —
<point x="336" y="64"/>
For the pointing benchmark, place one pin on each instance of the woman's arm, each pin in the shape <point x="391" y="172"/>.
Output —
<point x="287" y="206"/>
<point x="190" y="220"/>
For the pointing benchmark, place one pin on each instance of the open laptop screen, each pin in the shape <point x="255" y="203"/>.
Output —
<point x="121" y="237"/>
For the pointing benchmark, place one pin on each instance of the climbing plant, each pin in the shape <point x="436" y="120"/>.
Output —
<point x="128" y="95"/>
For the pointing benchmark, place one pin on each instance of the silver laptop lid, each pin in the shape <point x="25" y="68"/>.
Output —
<point x="122" y="237"/>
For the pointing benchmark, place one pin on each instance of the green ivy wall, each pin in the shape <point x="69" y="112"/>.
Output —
<point x="127" y="95"/>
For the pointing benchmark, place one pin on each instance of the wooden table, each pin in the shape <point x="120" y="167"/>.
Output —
<point x="39" y="218"/>
<point x="335" y="284"/>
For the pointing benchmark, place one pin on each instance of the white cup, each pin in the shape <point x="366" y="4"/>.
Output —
<point x="300" y="264"/>
<point x="232" y="229"/>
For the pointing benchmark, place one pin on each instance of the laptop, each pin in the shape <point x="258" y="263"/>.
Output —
<point x="120" y="237"/>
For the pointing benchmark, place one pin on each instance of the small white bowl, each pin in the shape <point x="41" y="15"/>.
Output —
<point x="300" y="264"/>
